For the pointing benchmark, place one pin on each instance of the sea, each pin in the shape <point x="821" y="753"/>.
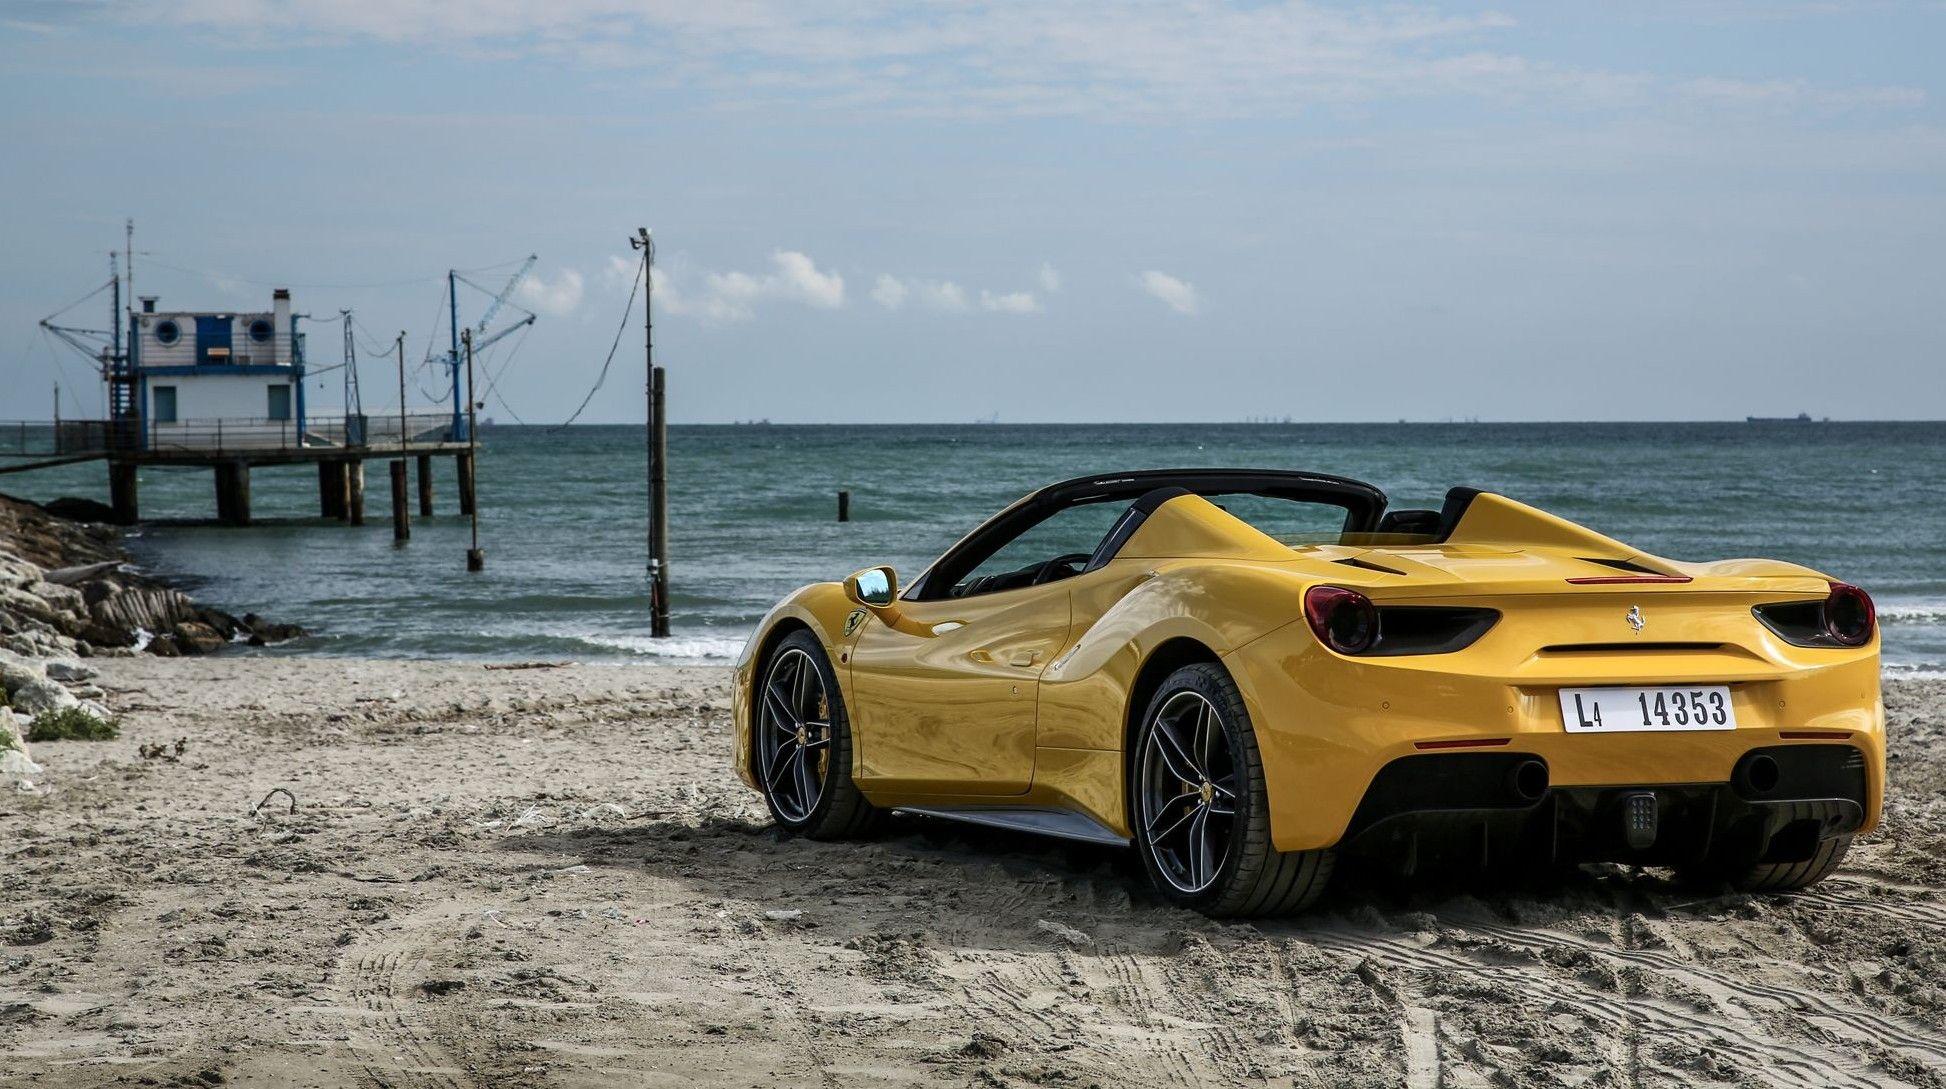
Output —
<point x="753" y="514"/>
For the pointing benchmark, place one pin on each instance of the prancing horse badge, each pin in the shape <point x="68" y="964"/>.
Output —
<point x="857" y="617"/>
<point x="1635" y="619"/>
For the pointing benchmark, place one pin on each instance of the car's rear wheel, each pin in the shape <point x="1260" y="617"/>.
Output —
<point x="1743" y="866"/>
<point x="1200" y="811"/>
<point x="803" y="744"/>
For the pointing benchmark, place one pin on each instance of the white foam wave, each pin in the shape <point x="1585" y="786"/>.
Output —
<point x="1921" y="671"/>
<point x="698" y="648"/>
<point x="1912" y="612"/>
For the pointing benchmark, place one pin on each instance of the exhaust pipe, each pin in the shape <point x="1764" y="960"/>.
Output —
<point x="1527" y="781"/>
<point x="1756" y="776"/>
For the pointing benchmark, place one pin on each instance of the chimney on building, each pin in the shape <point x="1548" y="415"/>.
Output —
<point x="283" y="333"/>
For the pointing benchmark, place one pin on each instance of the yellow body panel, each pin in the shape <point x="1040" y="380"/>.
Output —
<point x="1025" y="696"/>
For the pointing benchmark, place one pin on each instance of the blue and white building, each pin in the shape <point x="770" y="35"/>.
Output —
<point x="207" y="379"/>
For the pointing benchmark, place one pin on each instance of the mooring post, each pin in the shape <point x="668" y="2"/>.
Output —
<point x="425" y="485"/>
<point x="844" y="506"/>
<point x="355" y="494"/>
<point x="658" y="508"/>
<point x="464" y="463"/>
<point x="475" y="556"/>
<point x="122" y="492"/>
<point x="401" y="510"/>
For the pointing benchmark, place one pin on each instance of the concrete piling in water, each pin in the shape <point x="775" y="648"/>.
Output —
<point x="331" y="489"/>
<point x="123" y="494"/>
<point x="355" y="494"/>
<point x="401" y="509"/>
<point x="233" y="493"/>
<point x="425" y="485"/>
<point x="844" y="506"/>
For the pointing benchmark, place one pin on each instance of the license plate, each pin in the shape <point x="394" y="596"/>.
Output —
<point x="1639" y="710"/>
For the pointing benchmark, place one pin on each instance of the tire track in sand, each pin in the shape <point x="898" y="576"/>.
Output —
<point x="1805" y="1066"/>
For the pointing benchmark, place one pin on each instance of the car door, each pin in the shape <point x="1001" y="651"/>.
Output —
<point x="944" y="697"/>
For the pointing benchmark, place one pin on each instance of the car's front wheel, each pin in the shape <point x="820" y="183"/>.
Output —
<point x="1200" y="811"/>
<point x="803" y="744"/>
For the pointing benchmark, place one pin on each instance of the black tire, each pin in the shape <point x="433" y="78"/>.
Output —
<point x="786" y="753"/>
<point x="1742" y="867"/>
<point x="1251" y="878"/>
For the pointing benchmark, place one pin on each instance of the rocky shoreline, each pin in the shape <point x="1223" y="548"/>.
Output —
<point x="67" y="592"/>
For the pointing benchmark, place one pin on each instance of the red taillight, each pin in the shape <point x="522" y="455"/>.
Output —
<point x="1344" y="620"/>
<point x="1849" y="615"/>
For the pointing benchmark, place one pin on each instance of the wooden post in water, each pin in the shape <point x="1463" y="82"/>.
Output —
<point x="658" y="447"/>
<point x="355" y="494"/>
<point x="222" y="477"/>
<point x="844" y="506"/>
<point x="658" y="508"/>
<point x="463" y="464"/>
<point x="401" y="510"/>
<point x="425" y="485"/>
<point x="475" y="557"/>
<point x="331" y="489"/>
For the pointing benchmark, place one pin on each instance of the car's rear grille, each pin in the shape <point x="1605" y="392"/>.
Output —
<point x="1629" y="648"/>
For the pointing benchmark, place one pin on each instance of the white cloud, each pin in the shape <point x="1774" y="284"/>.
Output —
<point x="888" y="292"/>
<point x="1177" y="295"/>
<point x="1013" y="302"/>
<point x="1049" y="277"/>
<point x="557" y="299"/>
<point x="941" y="295"/>
<point x="725" y="297"/>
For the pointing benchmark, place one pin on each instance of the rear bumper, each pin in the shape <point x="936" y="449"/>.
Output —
<point x="1327" y="725"/>
<point x="1462" y="810"/>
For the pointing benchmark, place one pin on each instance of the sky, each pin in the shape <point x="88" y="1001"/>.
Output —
<point x="884" y="211"/>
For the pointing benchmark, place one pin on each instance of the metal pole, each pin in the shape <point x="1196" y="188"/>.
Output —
<point x="657" y="448"/>
<point x="452" y="357"/>
<point x="475" y="558"/>
<point x="401" y="347"/>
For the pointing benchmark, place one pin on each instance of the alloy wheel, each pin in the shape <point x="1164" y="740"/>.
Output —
<point x="1186" y="788"/>
<point x="794" y="741"/>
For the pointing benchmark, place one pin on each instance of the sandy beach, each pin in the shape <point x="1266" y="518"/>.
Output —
<point x="467" y="876"/>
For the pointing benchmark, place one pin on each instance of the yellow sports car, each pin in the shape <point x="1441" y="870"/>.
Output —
<point x="1246" y="673"/>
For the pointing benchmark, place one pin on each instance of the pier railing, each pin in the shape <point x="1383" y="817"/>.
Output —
<point x="210" y="437"/>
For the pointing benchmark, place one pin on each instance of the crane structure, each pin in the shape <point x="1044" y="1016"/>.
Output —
<point x="482" y="340"/>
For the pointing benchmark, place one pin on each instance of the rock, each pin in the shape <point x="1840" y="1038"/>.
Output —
<point x="67" y="599"/>
<point x="16" y="670"/>
<point x="196" y="637"/>
<point x="71" y="672"/>
<point x="95" y="590"/>
<point x="151" y="608"/>
<point x="15" y="571"/>
<point x="1070" y="936"/>
<point x="220" y="622"/>
<point x="164" y="646"/>
<point x="80" y="510"/>
<point x="40" y="696"/>
<point x="15" y="764"/>
<point x="263" y="631"/>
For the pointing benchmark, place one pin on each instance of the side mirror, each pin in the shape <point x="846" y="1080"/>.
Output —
<point x="875" y="588"/>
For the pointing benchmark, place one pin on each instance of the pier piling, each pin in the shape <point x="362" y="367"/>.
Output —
<point x="401" y="509"/>
<point x="123" y="493"/>
<point x="355" y="494"/>
<point x="233" y="493"/>
<point x="844" y="506"/>
<point x="425" y="485"/>
<point x="331" y="489"/>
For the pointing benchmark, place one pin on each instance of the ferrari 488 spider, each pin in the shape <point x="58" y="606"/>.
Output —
<point x="1246" y="674"/>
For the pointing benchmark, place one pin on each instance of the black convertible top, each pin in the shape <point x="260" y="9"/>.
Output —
<point x="1364" y="505"/>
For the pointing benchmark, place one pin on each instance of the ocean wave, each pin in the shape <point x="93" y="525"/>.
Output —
<point x="713" y="648"/>
<point x="1916" y="671"/>
<point x="1917" y="612"/>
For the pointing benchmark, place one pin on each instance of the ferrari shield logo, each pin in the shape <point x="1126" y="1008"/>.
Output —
<point x="856" y="618"/>
<point x="1635" y="619"/>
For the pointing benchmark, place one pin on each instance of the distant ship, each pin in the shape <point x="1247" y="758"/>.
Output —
<point x="1800" y="418"/>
